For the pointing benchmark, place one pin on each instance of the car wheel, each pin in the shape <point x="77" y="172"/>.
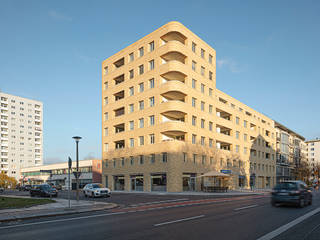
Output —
<point x="92" y="195"/>
<point x="310" y="201"/>
<point x="301" y="203"/>
<point x="85" y="195"/>
<point x="273" y="204"/>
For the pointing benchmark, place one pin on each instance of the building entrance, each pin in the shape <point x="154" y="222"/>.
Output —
<point x="136" y="183"/>
<point x="189" y="182"/>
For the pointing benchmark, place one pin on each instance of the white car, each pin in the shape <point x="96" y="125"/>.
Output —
<point x="96" y="190"/>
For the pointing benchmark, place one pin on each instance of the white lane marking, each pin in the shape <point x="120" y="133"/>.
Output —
<point x="60" y="220"/>
<point x="246" y="207"/>
<point x="164" y="201"/>
<point x="285" y="227"/>
<point x="179" y="220"/>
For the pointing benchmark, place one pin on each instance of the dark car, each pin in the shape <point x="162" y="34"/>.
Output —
<point x="43" y="190"/>
<point x="25" y="187"/>
<point x="291" y="192"/>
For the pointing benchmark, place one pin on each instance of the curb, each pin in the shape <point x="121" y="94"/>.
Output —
<point x="66" y="212"/>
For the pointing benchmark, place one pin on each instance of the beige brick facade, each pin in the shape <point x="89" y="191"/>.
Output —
<point x="166" y="122"/>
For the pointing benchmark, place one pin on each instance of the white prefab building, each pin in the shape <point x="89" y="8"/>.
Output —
<point x="21" y="139"/>
<point x="313" y="152"/>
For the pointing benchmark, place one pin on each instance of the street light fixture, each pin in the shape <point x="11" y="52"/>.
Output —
<point x="77" y="139"/>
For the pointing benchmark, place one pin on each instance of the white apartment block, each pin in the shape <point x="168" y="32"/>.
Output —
<point x="313" y="152"/>
<point x="21" y="140"/>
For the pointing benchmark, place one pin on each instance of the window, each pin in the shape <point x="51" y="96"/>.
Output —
<point x="164" y="157"/>
<point x="141" y="122"/>
<point x="202" y="70"/>
<point x="202" y="53"/>
<point x="210" y="126"/>
<point x="202" y="106"/>
<point x="141" y="140"/>
<point x="106" y="147"/>
<point x="210" y="142"/>
<point x="202" y="87"/>
<point x="131" y="125"/>
<point x="131" y="160"/>
<point x="237" y="120"/>
<point x="245" y="123"/>
<point x="210" y="75"/>
<point x="141" y="52"/>
<point x="151" y="46"/>
<point x="194" y="156"/>
<point x="245" y="137"/>
<point x="106" y="132"/>
<point x="194" y="120"/>
<point x="106" y="85"/>
<point x="141" y="87"/>
<point x="131" y="91"/>
<point x="210" y="58"/>
<point x="131" y="74"/>
<point x="202" y="123"/>
<point x="194" y="83"/>
<point x="245" y="150"/>
<point x="141" y="159"/>
<point x="203" y="141"/>
<point x="237" y="148"/>
<point x="194" y="47"/>
<point x="106" y="101"/>
<point x="210" y="109"/>
<point x="131" y="57"/>
<point x="141" y="105"/>
<point x="106" y="116"/>
<point x="194" y="138"/>
<point x="131" y="142"/>
<point x="151" y="65"/>
<point x="194" y="65"/>
<point x="151" y="101"/>
<point x="237" y="134"/>
<point x="194" y="102"/>
<point x="105" y="70"/>
<point x="141" y="69"/>
<point x="151" y="138"/>
<point x="210" y="92"/>
<point x="131" y="108"/>
<point x="151" y="120"/>
<point x="151" y="83"/>
<point x="152" y="158"/>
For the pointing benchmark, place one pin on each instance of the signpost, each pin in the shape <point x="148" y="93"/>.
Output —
<point x="69" y="183"/>
<point x="226" y="171"/>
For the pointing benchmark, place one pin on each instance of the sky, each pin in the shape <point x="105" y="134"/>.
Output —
<point x="52" y="51"/>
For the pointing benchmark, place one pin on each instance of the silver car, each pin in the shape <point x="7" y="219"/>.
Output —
<point x="96" y="190"/>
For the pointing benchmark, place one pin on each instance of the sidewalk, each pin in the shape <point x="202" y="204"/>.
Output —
<point x="194" y="193"/>
<point x="60" y="207"/>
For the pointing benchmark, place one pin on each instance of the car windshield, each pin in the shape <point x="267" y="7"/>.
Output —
<point x="46" y="187"/>
<point x="96" y="185"/>
<point x="286" y="185"/>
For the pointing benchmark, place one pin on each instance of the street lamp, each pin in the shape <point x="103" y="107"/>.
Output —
<point x="77" y="139"/>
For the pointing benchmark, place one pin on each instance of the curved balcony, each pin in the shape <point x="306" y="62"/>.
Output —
<point x="174" y="34"/>
<point x="173" y="109"/>
<point x="173" y="70"/>
<point x="173" y="90"/>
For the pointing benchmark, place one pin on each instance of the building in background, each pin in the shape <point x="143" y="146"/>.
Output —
<point x="57" y="173"/>
<point x="165" y="123"/>
<point x="21" y="134"/>
<point x="291" y="152"/>
<point x="313" y="155"/>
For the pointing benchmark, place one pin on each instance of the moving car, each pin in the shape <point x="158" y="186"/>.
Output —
<point x="96" y="190"/>
<point x="291" y="192"/>
<point x="43" y="190"/>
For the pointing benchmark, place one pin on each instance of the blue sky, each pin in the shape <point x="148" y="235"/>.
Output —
<point x="267" y="57"/>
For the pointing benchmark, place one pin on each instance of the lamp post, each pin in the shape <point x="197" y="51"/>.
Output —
<point x="77" y="139"/>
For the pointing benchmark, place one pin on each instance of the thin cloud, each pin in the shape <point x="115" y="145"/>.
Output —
<point x="58" y="16"/>
<point x="230" y="64"/>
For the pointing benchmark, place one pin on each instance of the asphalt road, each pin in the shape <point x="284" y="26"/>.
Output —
<point x="249" y="217"/>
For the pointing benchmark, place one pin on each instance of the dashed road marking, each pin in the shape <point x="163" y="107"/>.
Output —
<point x="179" y="220"/>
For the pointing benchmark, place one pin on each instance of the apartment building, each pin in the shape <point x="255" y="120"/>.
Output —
<point x="165" y="123"/>
<point x="21" y="134"/>
<point x="291" y="152"/>
<point x="313" y="152"/>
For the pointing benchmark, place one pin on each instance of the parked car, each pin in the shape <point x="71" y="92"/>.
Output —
<point x="43" y="190"/>
<point x="58" y="187"/>
<point x="96" y="190"/>
<point x="291" y="192"/>
<point x="25" y="187"/>
<point x="1" y="189"/>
